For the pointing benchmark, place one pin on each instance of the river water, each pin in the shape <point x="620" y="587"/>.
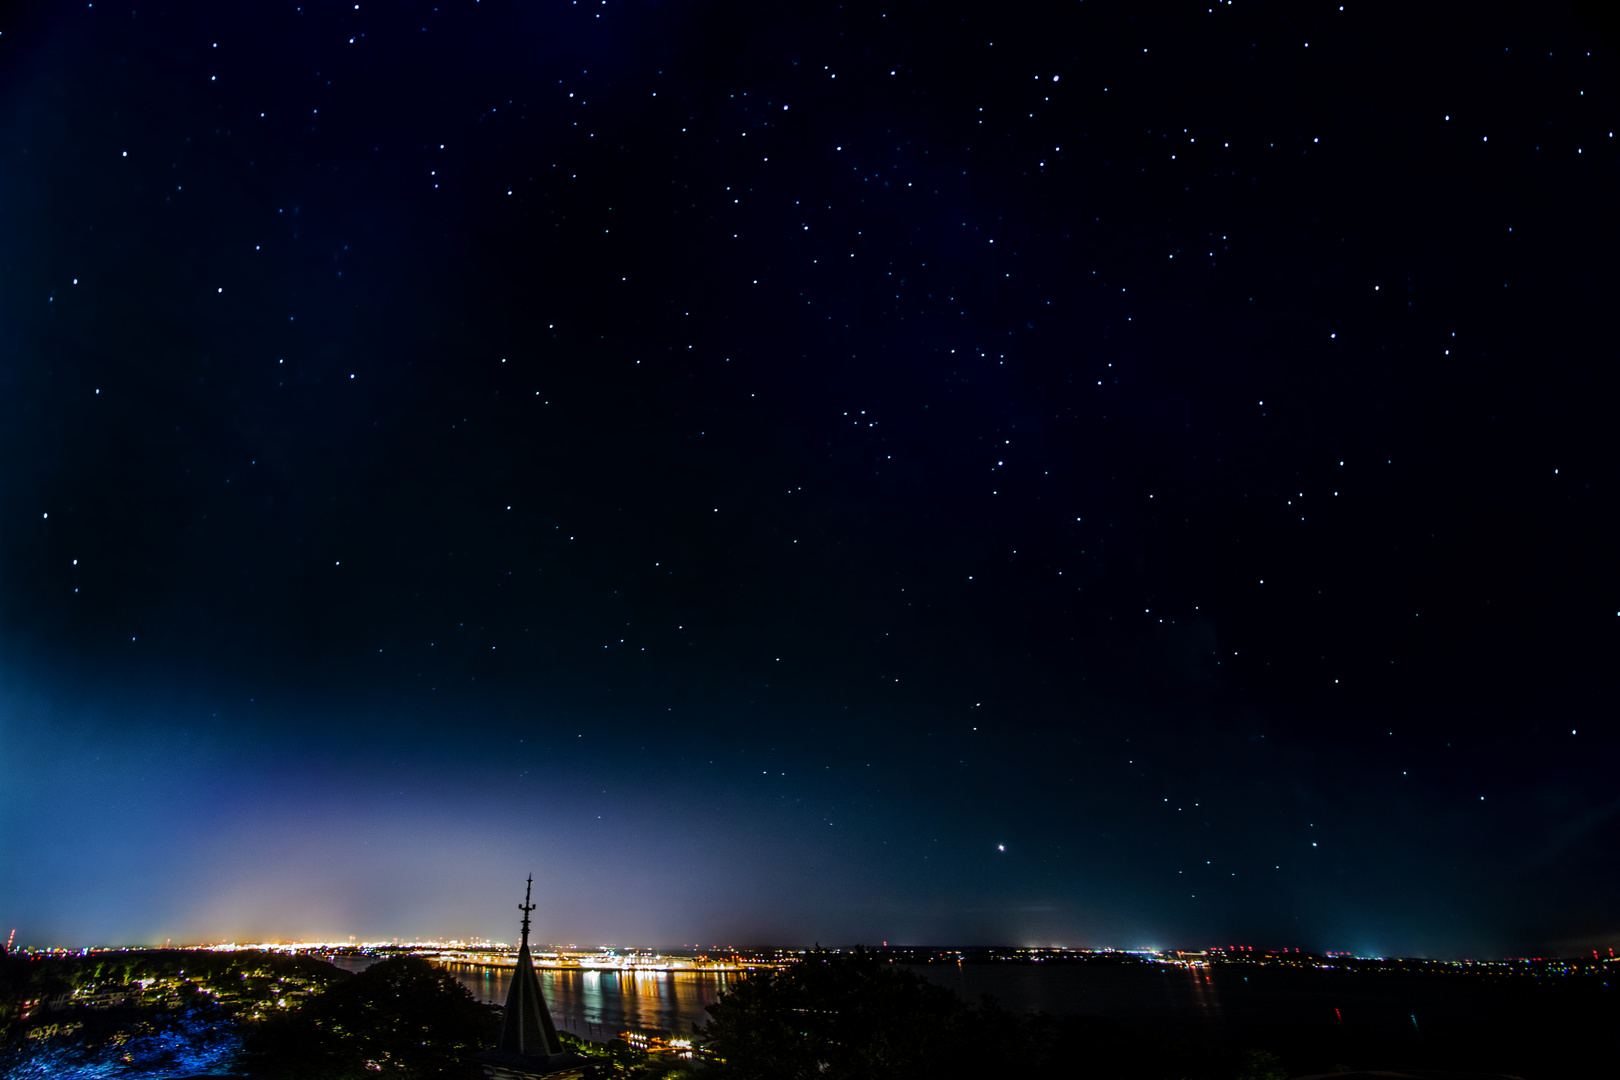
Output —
<point x="1221" y="1003"/>
<point x="600" y="1005"/>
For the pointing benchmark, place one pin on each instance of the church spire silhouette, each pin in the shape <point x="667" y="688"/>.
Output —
<point x="526" y="1027"/>
<point x="529" y="1048"/>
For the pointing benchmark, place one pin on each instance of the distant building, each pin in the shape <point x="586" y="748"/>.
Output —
<point x="529" y="1046"/>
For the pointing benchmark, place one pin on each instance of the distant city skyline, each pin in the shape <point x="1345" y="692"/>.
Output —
<point x="699" y="958"/>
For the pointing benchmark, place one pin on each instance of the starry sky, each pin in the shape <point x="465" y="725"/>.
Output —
<point x="1090" y="473"/>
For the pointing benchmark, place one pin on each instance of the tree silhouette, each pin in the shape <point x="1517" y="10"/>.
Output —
<point x="402" y="1017"/>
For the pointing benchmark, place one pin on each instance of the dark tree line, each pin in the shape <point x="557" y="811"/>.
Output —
<point x="26" y="978"/>
<point x="401" y="1017"/>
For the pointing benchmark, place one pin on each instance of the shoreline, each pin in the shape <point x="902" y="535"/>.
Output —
<point x="665" y="968"/>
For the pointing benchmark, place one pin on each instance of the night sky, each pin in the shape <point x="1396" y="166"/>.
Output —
<point x="1081" y="473"/>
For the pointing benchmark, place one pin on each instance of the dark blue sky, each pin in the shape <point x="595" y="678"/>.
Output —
<point x="909" y="473"/>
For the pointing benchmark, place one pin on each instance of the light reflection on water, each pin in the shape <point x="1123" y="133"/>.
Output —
<point x="595" y="1004"/>
<point x="1146" y="997"/>
<point x="600" y="1004"/>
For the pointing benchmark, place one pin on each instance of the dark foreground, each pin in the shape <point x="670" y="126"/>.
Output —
<point x="830" y="1017"/>
<point x="1527" y="1019"/>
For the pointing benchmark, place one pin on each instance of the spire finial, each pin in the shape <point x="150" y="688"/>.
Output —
<point x="527" y="907"/>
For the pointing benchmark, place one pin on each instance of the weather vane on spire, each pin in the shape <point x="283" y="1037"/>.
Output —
<point x="526" y="907"/>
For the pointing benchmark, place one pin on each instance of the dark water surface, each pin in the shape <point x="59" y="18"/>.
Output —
<point x="1527" y="1026"/>
<point x="1494" y="1022"/>
<point x="1156" y="997"/>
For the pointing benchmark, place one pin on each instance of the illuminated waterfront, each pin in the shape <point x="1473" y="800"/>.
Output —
<point x="596" y="1004"/>
<point x="601" y="1004"/>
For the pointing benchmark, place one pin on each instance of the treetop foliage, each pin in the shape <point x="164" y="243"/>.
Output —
<point x="403" y="1017"/>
